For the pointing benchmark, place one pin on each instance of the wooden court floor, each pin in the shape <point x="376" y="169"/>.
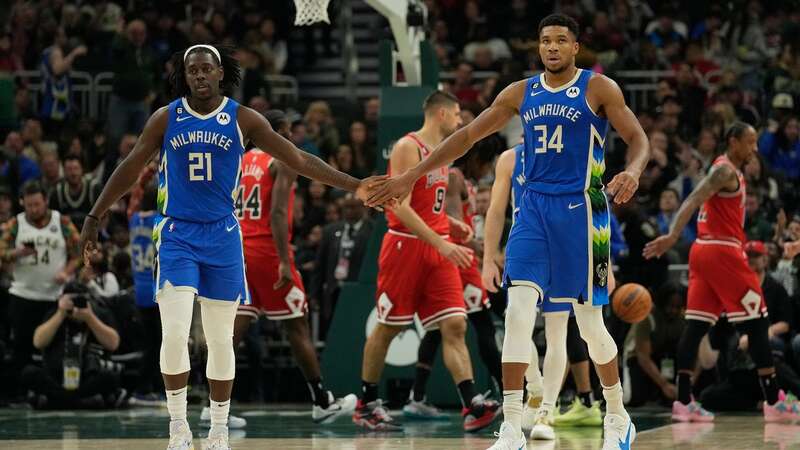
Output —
<point x="141" y="429"/>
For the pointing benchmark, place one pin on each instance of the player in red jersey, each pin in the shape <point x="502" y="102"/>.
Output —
<point x="264" y="205"/>
<point x="720" y="279"/>
<point x="460" y="206"/>
<point x="418" y="274"/>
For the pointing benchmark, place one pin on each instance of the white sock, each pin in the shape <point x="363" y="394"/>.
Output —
<point x="176" y="404"/>
<point x="219" y="413"/>
<point x="533" y="376"/>
<point x="512" y="409"/>
<point x="613" y="396"/>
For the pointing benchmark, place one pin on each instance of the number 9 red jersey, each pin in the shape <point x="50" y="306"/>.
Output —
<point x="427" y="196"/>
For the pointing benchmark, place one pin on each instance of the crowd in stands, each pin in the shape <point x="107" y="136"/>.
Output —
<point x="719" y="61"/>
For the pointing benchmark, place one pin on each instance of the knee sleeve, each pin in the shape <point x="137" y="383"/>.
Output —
<point x="175" y="307"/>
<point x="520" y="317"/>
<point x="428" y="347"/>
<point x="689" y="344"/>
<point x="218" y="318"/>
<point x="758" y="341"/>
<point x="602" y="348"/>
<point x="576" y="348"/>
<point x="555" y="360"/>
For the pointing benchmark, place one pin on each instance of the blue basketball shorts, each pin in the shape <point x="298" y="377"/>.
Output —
<point x="206" y="258"/>
<point x="560" y="246"/>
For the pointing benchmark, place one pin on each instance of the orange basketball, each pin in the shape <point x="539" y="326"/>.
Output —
<point x="632" y="302"/>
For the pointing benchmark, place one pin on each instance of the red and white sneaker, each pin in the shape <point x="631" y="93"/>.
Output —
<point x="481" y="414"/>
<point x="373" y="416"/>
<point x="786" y="409"/>
<point x="692" y="412"/>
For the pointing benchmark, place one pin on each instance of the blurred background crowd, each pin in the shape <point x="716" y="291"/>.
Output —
<point x="688" y="70"/>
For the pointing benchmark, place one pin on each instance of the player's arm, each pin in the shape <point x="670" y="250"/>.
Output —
<point x="610" y="99"/>
<point x="491" y="120"/>
<point x="73" y="243"/>
<point x="256" y="129"/>
<point x="721" y="177"/>
<point x="456" y="188"/>
<point x="495" y="219"/>
<point x="279" y="217"/>
<point x="124" y="176"/>
<point x="405" y="155"/>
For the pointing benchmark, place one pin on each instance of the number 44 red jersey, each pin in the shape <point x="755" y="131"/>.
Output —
<point x="427" y="196"/>
<point x="254" y="198"/>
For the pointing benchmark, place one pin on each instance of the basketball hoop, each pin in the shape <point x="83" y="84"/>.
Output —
<point x="311" y="11"/>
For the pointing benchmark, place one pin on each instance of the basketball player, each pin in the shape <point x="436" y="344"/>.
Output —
<point x="460" y="207"/>
<point x="264" y="204"/>
<point x="200" y="138"/>
<point x="562" y="217"/>
<point x="418" y="273"/>
<point x="720" y="279"/>
<point x="538" y="414"/>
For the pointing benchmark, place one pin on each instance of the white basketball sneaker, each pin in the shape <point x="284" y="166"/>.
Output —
<point x="336" y="408"/>
<point x="180" y="436"/>
<point x="217" y="439"/>
<point x="619" y="432"/>
<point x="234" y="422"/>
<point x="509" y="439"/>
<point x="543" y="425"/>
<point x="529" y="413"/>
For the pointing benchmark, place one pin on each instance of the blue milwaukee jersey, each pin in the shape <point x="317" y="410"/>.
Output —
<point x="143" y="257"/>
<point x="564" y="138"/>
<point x="517" y="176"/>
<point x="200" y="162"/>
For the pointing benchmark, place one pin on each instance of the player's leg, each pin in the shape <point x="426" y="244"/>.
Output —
<point x="584" y="411"/>
<point x="555" y="361"/>
<point x="535" y="387"/>
<point x="241" y="324"/>
<point x="369" y="412"/>
<point x="487" y="346"/>
<point x="417" y="406"/>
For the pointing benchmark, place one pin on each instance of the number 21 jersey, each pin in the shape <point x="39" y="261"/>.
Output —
<point x="564" y="138"/>
<point x="201" y="157"/>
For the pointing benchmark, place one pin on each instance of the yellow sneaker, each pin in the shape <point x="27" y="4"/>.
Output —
<point x="579" y="415"/>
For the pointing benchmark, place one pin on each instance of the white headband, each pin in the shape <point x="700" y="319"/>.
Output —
<point x="209" y="47"/>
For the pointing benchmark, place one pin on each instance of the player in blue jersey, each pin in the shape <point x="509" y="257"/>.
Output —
<point x="558" y="245"/>
<point x="200" y="138"/>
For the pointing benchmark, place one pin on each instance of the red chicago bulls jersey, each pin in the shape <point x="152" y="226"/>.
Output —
<point x="722" y="216"/>
<point x="254" y="197"/>
<point x="427" y="197"/>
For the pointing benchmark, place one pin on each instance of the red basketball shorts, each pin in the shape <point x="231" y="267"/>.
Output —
<point x="475" y="296"/>
<point x="414" y="278"/>
<point x="287" y="302"/>
<point x="721" y="281"/>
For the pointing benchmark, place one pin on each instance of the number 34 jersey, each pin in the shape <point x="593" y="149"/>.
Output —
<point x="201" y="158"/>
<point x="427" y="196"/>
<point x="563" y="137"/>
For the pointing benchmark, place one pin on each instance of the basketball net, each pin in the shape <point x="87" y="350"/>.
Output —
<point x="311" y="11"/>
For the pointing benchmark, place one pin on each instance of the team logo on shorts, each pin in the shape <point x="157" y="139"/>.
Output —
<point x="573" y="92"/>
<point x="601" y="274"/>
<point x="223" y="118"/>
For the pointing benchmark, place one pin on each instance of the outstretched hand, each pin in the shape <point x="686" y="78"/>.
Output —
<point x="393" y="189"/>
<point x="368" y="186"/>
<point x="623" y="186"/>
<point x="658" y="246"/>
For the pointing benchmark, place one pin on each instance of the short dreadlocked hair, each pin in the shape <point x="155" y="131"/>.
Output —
<point x="230" y="66"/>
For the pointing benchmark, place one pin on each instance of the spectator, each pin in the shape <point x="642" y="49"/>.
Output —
<point x="482" y="198"/>
<point x="315" y="208"/>
<point x="321" y="129"/>
<point x="363" y="150"/>
<point x="306" y="255"/>
<point x="655" y="341"/>
<point x="668" y="203"/>
<point x="272" y="48"/>
<point x="781" y="310"/>
<point x="134" y="65"/>
<point x="101" y="282"/>
<point x="166" y="39"/>
<point x="18" y="168"/>
<point x="75" y="339"/>
<point x="55" y="68"/>
<point x="781" y="148"/>
<point x="463" y="87"/>
<point x="32" y="135"/>
<point x="666" y="30"/>
<point x="51" y="171"/>
<point x="756" y="225"/>
<point x="104" y="170"/>
<point x="341" y="252"/>
<point x="707" y="143"/>
<point x="343" y="159"/>
<point x="260" y="104"/>
<point x="690" y="175"/>
<point x="253" y="83"/>
<point x="6" y="204"/>
<point x="9" y="62"/>
<point x="75" y="194"/>
<point x="42" y="244"/>
<point x="302" y="140"/>
<point x="786" y="270"/>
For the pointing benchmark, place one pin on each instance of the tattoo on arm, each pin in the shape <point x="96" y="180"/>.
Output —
<point x="317" y="169"/>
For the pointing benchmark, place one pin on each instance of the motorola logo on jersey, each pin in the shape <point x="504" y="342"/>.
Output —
<point x="223" y="118"/>
<point x="573" y="91"/>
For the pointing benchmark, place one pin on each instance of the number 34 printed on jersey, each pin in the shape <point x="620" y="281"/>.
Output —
<point x="553" y="142"/>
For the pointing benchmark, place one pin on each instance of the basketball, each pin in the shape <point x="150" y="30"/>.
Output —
<point x="632" y="302"/>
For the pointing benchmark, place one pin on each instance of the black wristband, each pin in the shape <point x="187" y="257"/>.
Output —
<point x="92" y="216"/>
